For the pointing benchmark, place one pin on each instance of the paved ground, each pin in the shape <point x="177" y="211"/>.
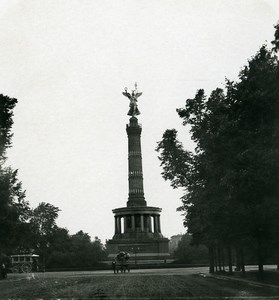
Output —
<point x="173" y="283"/>
<point x="166" y="272"/>
<point x="136" y="272"/>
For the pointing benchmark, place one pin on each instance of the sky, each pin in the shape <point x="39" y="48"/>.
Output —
<point x="68" y="62"/>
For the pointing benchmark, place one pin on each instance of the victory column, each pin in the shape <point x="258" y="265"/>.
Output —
<point x="141" y="234"/>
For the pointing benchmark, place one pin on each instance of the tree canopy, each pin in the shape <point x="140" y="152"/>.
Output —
<point x="187" y="253"/>
<point x="14" y="208"/>
<point x="25" y="230"/>
<point x="230" y="180"/>
<point x="56" y="247"/>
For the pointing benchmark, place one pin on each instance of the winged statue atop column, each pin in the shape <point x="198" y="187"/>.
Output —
<point x="133" y="97"/>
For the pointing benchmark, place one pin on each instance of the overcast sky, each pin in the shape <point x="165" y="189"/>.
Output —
<point x="67" y="62"/>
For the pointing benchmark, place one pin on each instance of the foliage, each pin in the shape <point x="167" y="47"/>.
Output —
<point x="56" y="247"/>
<point x="176" y="162"/>
<point x="84" y="252"/>
<point x="14" y="209"/>
<point x="74" y="251"/>
<point x="6" y="121"/>
<point x="188" y="253"/>
<point x="43" y="219"/>
<point x="24" y="230"/>
<point x="231" y="180"/>
<point x="275" y="42"/>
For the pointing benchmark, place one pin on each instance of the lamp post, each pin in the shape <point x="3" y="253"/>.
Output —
<point x="45" y="246"/>
<point x="135" y="251"/>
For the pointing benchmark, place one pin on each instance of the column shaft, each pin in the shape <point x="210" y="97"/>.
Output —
<point x="115" y="225"/>
<point x="159" y="224"/>
<point x="125" y="224"/>
<point x="141" y="223"/>
<point x="119" y="224"/>
<point x="155" y="223"/>
<point x="136" y="193"/>
<point x="133" y="223"/>
<point x="149" y="223"/>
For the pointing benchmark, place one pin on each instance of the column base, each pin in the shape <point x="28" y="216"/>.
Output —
<point x="138" y="236"/>
<point x="141" y="252"/>
<point x="150" y="246"/>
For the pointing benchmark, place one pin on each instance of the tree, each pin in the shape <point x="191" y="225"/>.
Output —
<point x="43" y="224"/>
<point x="275" y="42"/>
<point x="74" y="251"/>
<point x="14" y="210"/>
<point x="86" y="253"/>
<point x="44" y="218"/>
<point x="13" y="206"/>
<point x="230" y="180"/>
<point x="188" y="253"/>
<point x="56" y="247"/>
<point x="60" y="249"/>
<point x="25" y="230"/>
<point x="6" y="121"/>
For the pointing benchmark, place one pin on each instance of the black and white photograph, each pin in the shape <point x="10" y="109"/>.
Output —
<point x="139" y="149"/>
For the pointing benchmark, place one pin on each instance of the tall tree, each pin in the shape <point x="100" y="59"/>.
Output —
<point x="7" y="105"/>
<point x="231" y="179"/>
<point x="43" y="224"/>
<point x="13" y="206"/>
<point x="44" y="218"/>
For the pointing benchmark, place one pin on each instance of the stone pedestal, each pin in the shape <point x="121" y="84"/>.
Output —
<point x="137" y="226"/>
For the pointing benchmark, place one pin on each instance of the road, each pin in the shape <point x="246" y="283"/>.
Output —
<point x="179" y="283"/>
<point x="162" y="272"/>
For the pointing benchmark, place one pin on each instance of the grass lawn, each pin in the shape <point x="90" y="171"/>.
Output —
<point x="130" y="286"/>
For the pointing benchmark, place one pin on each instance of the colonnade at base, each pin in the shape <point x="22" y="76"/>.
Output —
<point x="137" y="223"/>
<point x="132" y="222"/>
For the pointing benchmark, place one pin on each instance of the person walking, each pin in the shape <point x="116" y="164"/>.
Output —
<point x="3" y="271"/>
<point x="113" y="264"/>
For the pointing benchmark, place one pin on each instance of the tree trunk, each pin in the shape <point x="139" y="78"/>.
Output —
<point x="230" y="259"/>
<point x="242" y="261"/>
<point x="219" y="258"/>
<point x="238" y="258"/>
<point x="260" y="258"/>
<point x="223" y="259"/>
<point x="215" y="259"/>
<point x="211" y="259"/>
<point x="261" y="269"/>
